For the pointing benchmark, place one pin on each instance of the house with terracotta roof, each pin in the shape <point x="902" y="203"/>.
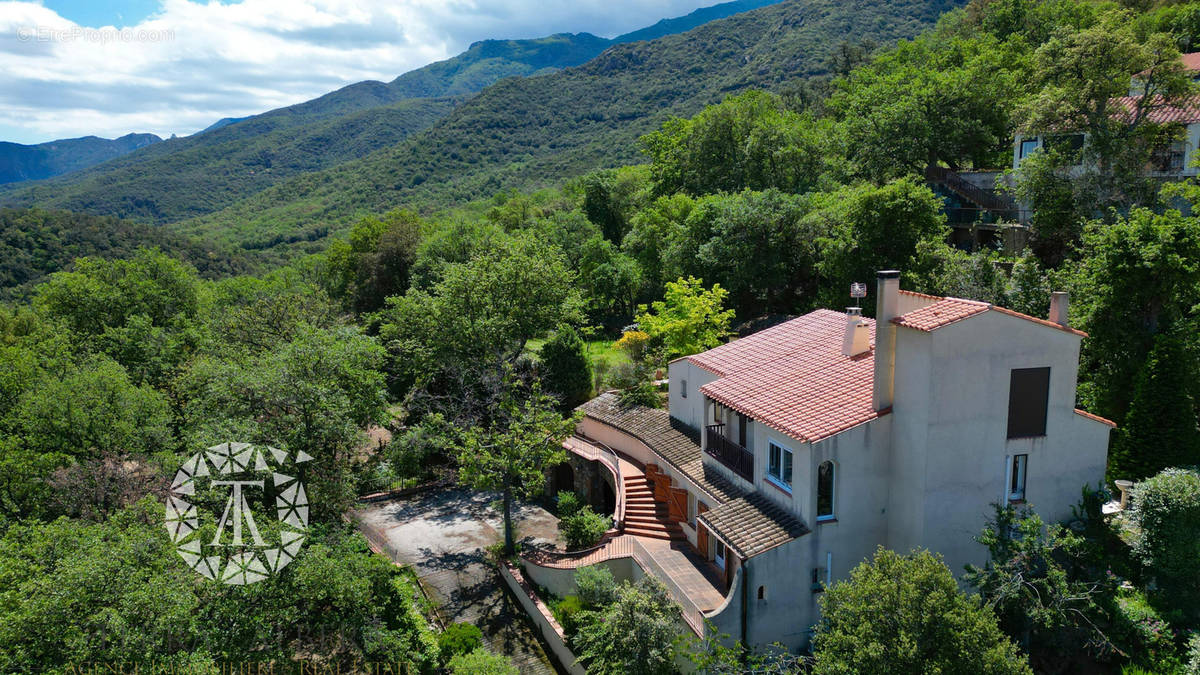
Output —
<point x="788" y="456"/>
<point x="1171" y="162"/>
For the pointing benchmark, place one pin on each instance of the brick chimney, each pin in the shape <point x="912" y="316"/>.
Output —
<point x="858" y="333"/>
<point x="887" y="299"/>
<point x="1059" y="303"/>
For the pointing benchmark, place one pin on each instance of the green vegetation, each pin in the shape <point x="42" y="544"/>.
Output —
<point x="583" y="528"/>
<point x="905" y="614"/>
<point x="32" y="162"/>
<point x="531" y="132"/>
<point x="633" y="633"/>
<point x="453" y="317"/>
<point x="36" y="242"/>
<point x="1166" y="512"/>
<point x="566" y="370"/>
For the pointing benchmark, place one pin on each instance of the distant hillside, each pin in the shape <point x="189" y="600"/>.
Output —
<point x="696" y="19"/>
<point x="539" y="130"/>
<point x="235" y="158"/>
<point x="44" y="160"/>
<point x="35" y="242"/>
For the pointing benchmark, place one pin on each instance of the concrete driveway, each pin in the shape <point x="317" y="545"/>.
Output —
<point x="443" y="534"/>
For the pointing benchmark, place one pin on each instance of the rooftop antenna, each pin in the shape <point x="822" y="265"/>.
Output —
<point x="858" y="291"/>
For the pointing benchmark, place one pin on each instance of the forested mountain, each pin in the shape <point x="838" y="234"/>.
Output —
<point x="522" y="133"/>
<point x="35" y="242"/>
<point x="235" y="158"/>
<point x="32" y="162"/>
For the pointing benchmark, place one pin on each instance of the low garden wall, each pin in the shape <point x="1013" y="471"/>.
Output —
<point x="537" y="610"/>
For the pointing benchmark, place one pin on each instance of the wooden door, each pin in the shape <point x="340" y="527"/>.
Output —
<point x="662" y="485"/>
<point x="701" y="530"/>
<point x="677" y="504"/>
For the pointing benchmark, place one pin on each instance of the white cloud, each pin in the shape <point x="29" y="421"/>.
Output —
<point x="192" y="63"/>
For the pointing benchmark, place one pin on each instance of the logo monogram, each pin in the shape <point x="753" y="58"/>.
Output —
<point x="238" y="553"/>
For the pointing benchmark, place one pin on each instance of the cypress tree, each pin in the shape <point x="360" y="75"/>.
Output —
<point x="1160" y="428"/>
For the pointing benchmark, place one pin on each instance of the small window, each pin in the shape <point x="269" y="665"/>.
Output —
<point x="1016" y="481"/>
<point x="1027" y="147"/>
<point x="683" y="388"/>
<point x="825" y="491"/>
<point x="762" y="592"/>
<point x="818" y="584"/>
<point x="743" y="426"/>
<point x="779" y="465"/>
<point x="1028" y="396"/>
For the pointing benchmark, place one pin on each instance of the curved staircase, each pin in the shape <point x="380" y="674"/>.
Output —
<point x="645" y="517"/>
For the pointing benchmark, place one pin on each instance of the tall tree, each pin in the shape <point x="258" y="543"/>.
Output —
<point x="757" y="245"/>
<point x="1083" y="80"/>
<point x="869" y="228"/>
<point x="486" y="309"/>
<point x="1138" y="277"/>
<point x="1160" y="429"/>
<point x="688" y="320"/>
<point x="565" y="368"/>
<point x="932" y="101"/>
<point x="511" y="451"/>
<point x="906" y="614"/>
<point x="750" y="141"/>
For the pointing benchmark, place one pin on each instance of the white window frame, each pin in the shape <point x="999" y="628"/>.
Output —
<point x="1018" y="470"/>
<point x="779" y="481"/>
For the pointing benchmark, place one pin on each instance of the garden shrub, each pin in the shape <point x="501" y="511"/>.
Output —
<point x="1193" y="655"/>
<point x="565" y="368"/>
<point x="1166" y="513"/>
<point x="583" y="528"/>
<point x="596" y="587"/>
<point x="1141" y="631"/>
<point x="459" y="639"/>
<point x="481" y="662"/>
<point x="568" y="503"/>
<point x="567" y="611"/>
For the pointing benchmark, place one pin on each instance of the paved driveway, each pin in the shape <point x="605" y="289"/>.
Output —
<point x="443" y="534"/>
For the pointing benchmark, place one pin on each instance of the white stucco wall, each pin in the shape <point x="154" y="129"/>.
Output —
<point x="951" y="449"/>
<point x="689" y="410"/>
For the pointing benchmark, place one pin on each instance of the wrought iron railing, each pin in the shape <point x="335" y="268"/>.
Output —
<point x="731" y="454"/>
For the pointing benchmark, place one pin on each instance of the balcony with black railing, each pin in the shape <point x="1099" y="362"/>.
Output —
<point x="731" y="454"/>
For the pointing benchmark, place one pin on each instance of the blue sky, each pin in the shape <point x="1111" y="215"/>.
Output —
<point x="96" y="13"/>
<point x="176" y="66"/>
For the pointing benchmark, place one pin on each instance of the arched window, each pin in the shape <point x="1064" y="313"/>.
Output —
<point x="762" y="592"/>
<point x="825" y="491"/>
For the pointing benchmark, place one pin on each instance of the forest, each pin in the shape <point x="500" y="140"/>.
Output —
<point x="472" y="328"/>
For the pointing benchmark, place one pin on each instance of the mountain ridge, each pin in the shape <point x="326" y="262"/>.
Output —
<point x="233" y="160"/>
<point x="20" y="162"/>
<point x="530" y="132"/>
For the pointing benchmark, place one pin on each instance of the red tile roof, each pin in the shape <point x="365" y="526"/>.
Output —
<point x="810" y="391"/>
<point x="950" y="310"/>
<point x="1090" y="416"/>
<point x="1185" y="113"/>
<point x="1191" y="61"/>
<point x="770" y="344"/>
<point x="941" y="313"/>
<point x="794" y="378"/>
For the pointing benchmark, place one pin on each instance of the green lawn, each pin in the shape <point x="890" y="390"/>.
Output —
<point x="603" y="350"/>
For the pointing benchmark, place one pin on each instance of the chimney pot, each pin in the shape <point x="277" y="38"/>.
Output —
<point x="1059" y="305"/>
<point x="858" y="335"/>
